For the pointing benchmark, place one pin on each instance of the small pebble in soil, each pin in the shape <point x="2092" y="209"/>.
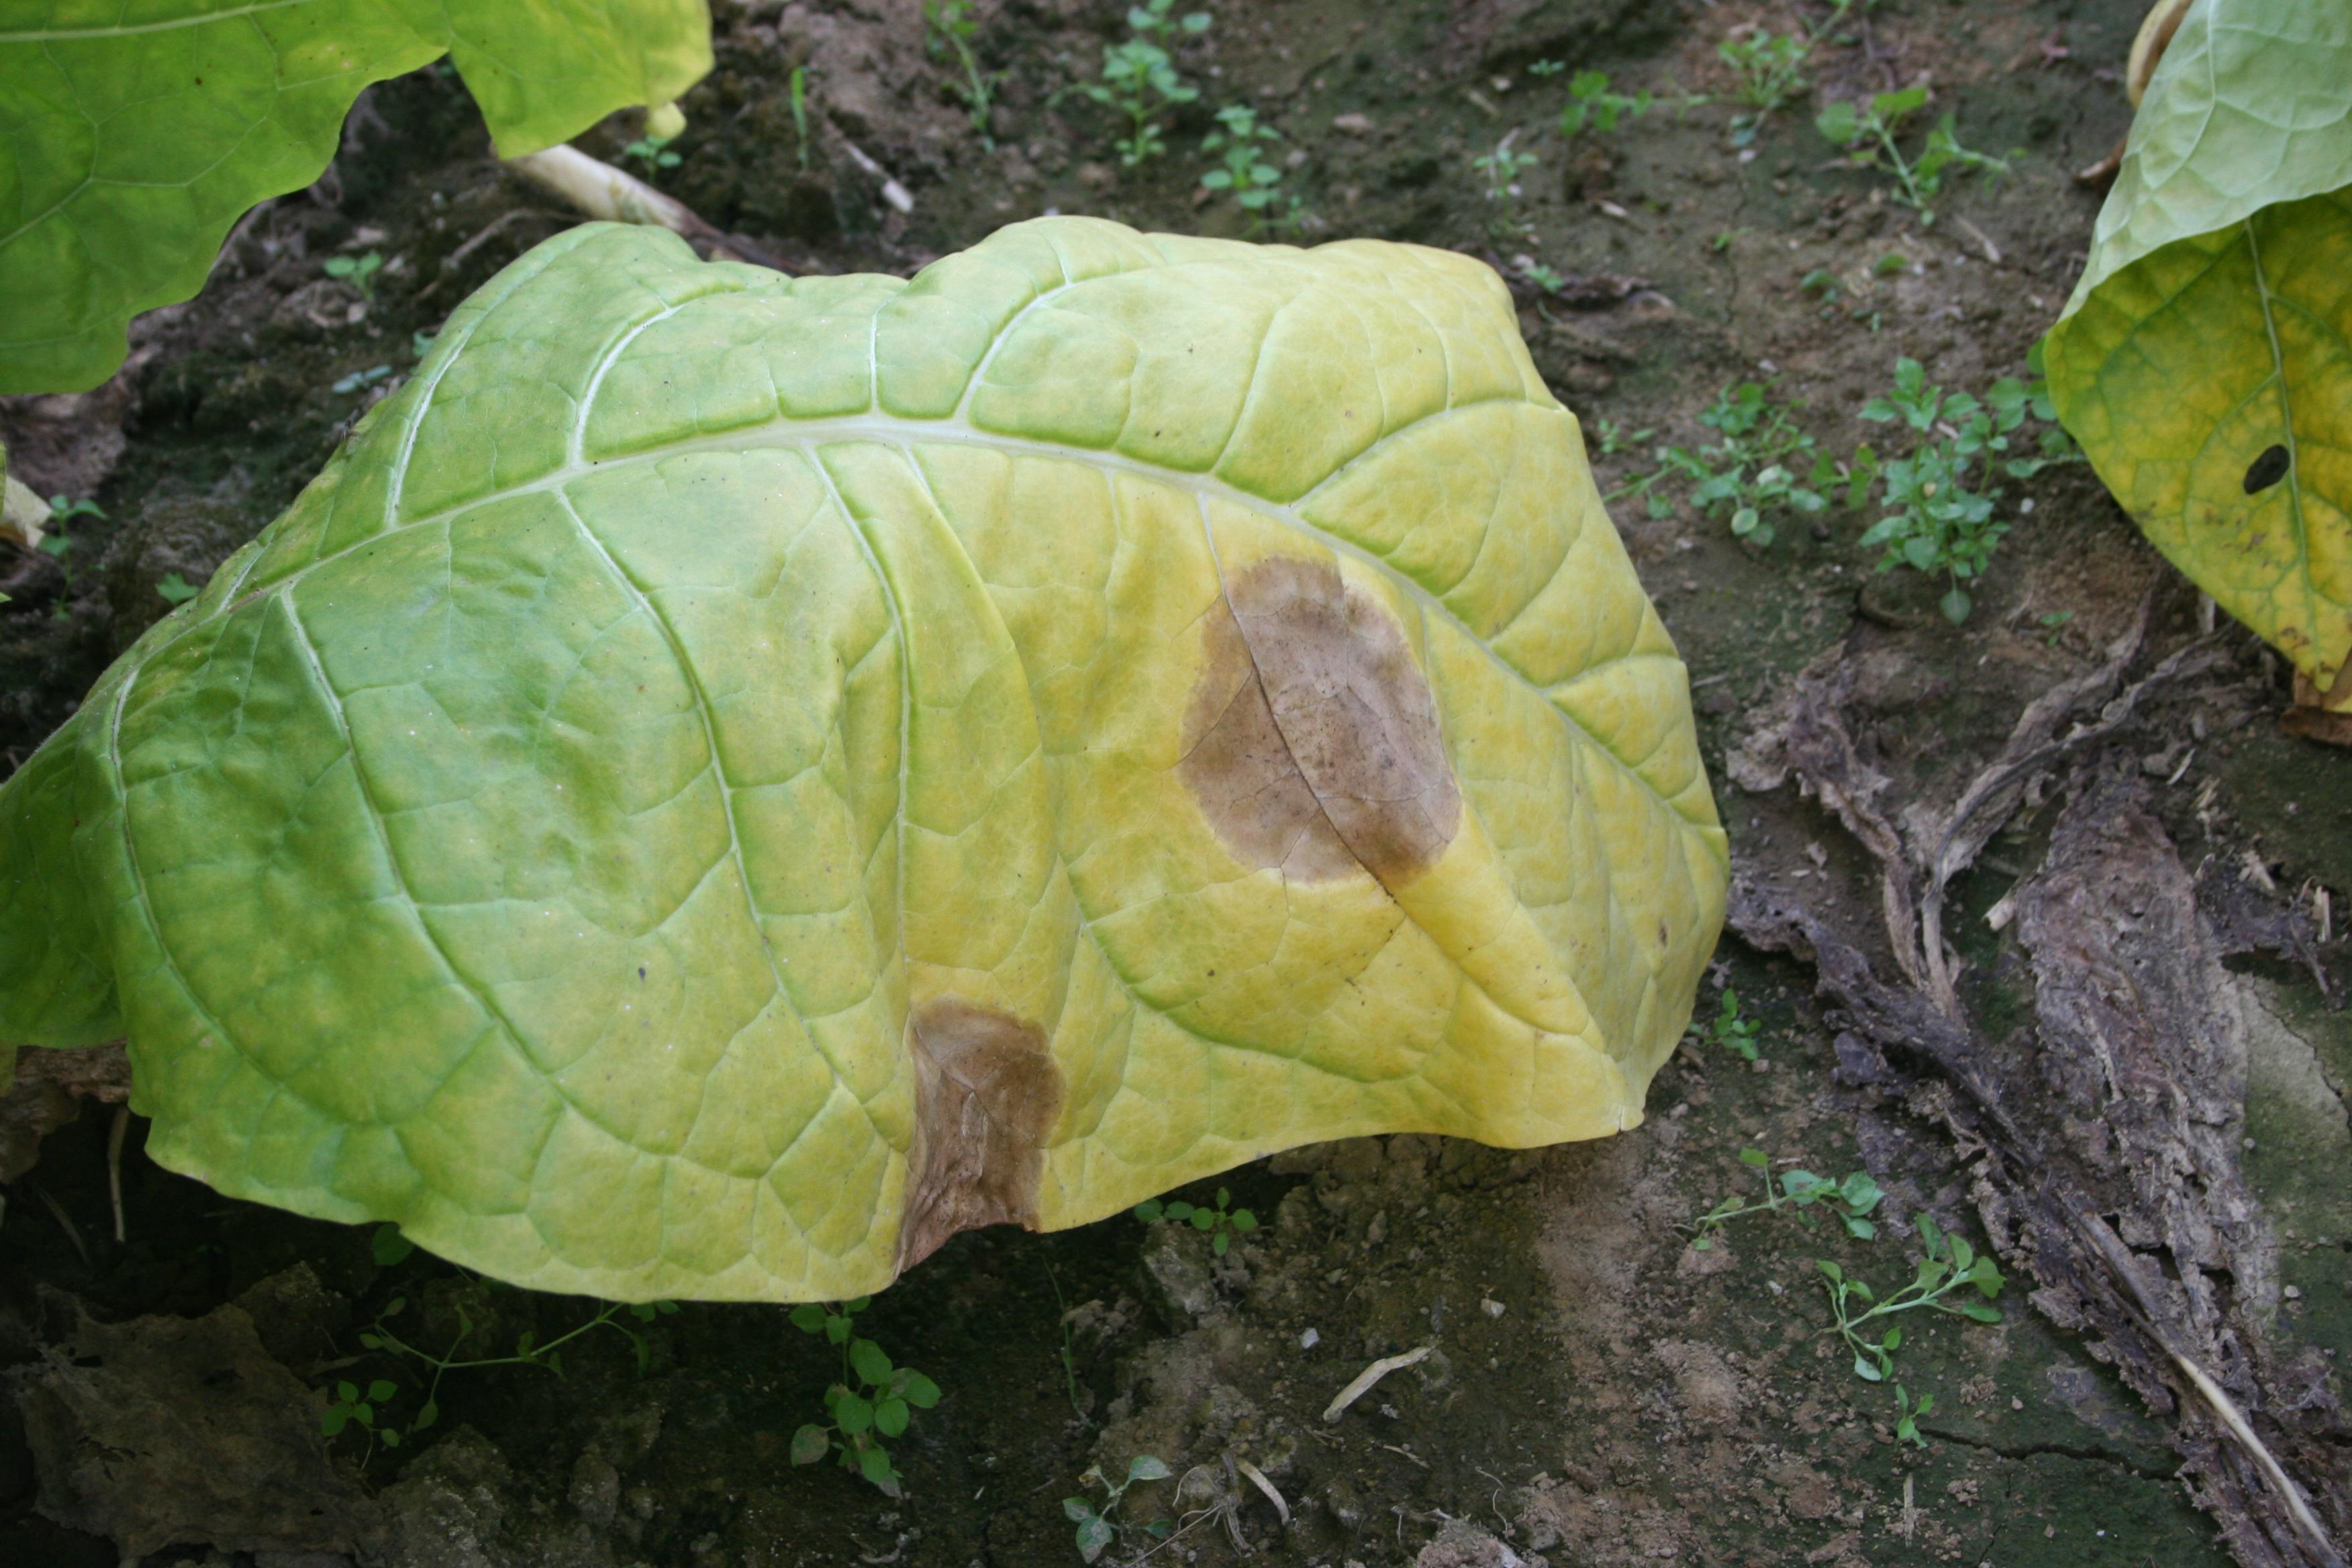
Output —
<point x="1309" y="1339"/>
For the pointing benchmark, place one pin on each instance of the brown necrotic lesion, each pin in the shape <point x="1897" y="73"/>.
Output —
<point x="986" y="1095"/>
<point x="1311" y="738"/>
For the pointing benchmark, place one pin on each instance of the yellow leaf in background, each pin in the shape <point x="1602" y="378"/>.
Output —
<point x="2205" y="360"/>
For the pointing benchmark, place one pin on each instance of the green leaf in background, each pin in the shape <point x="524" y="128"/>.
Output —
<point x="726" y="780"/>
<point x="135" y="132"/>
<point x="2205" y="360"/>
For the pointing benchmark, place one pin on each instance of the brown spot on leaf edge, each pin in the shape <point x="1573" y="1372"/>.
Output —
<point x="1311" y="740"/>
<point x="986" y="1093"/>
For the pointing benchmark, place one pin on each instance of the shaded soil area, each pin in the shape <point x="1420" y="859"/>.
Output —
<point x="1597" y="1389"/>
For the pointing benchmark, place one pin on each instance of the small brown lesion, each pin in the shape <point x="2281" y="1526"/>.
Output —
<point x="987" y="1092"/>
<point x="1311" y="740"/>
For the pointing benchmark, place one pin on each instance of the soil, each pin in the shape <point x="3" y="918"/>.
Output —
<point x="1600" y="1391"/>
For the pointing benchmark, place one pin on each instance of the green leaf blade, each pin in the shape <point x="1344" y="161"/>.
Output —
<point x="209" y="109"/>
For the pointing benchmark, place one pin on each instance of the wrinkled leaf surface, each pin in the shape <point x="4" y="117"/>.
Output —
<point x="726" y="781"/>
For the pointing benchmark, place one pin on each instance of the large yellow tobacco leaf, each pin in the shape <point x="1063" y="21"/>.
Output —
<point x="728" y="780"/>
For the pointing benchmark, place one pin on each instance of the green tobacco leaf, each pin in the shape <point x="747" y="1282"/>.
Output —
<point x="2205" y="360"/>
<point x="130" y="144"/>
<point x="726" y="780"/>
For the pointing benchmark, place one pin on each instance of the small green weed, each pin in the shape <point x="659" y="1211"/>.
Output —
<point x="1769" y="72"/>
<point x="652" y="151"/>
<point x="368" y="1413"/>
<point x="1867" y="133"/>
<point x="1069" y="1357"/>
<point x="356" y="1406"/>
<point x="1749" y="469"/>
<point x="1730" y="1030"/>
<point x="1222" y="1223"/>
<point x="1140" y="79"/>
<point x="1949" y="1271"/>
<point x="1851" y="1200"/>
<point x="1591" y="106"/>
<point x="1832" y="27"/>
<point x="1907" y="1416"/>
<point x="359" y="271"/>
<point x="949" y="29"/>
<point x="1246" y="174"/>
<point x="1501" y="170"/>
<point x="1939" y="512"/>
<point x="176" y="590"/>
<point x="59" y="545"/>
<point x="870" y="1405"/>
<point x="1097" y="1526"/>
<point x="796" y="96"/>
<point x="1613" y="437"/>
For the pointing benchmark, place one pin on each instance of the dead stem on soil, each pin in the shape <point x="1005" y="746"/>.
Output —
<point x="2136" y="1030"/>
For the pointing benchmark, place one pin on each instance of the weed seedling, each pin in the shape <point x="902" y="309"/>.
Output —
<point x="1592" y="106"/>
<point x="1729" y="1030"/>
<point x="389" y="1248"/>
<point x="356" y="1406"/>
<point x="1246" y="174"/>
<point x="1866" y="133"/>
<point x="1222" y="1223"/>
<point x="1612" y="437"/>
<point x="59" y="545"/>
<point x="871" y="1403"/>
<point x="1749" y="469"/>
<point x="1097" y="1527"/>
<point x="948" y="28"/>
<point x="1907" y="1416"/>
<point x="652" y="151"/>
<point x="1948" y="1272"/>
<point x="176" y="590"/>
<point x="1769" y="73"/>
<point x="1501" y="170"/>
<point x="796" y="97"/>
<point x="359" y="271"/>
<point x="1832" y="27"/>
<point x="1851" y="1200"/>
<point x="1940" y="514"/>
<point x="1140" y="79"/>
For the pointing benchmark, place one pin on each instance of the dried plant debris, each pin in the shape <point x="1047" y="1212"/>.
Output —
<point x="2104" y="1138"/>
<point x="164" y="1429"/>
<point x="47" y="1093"/>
